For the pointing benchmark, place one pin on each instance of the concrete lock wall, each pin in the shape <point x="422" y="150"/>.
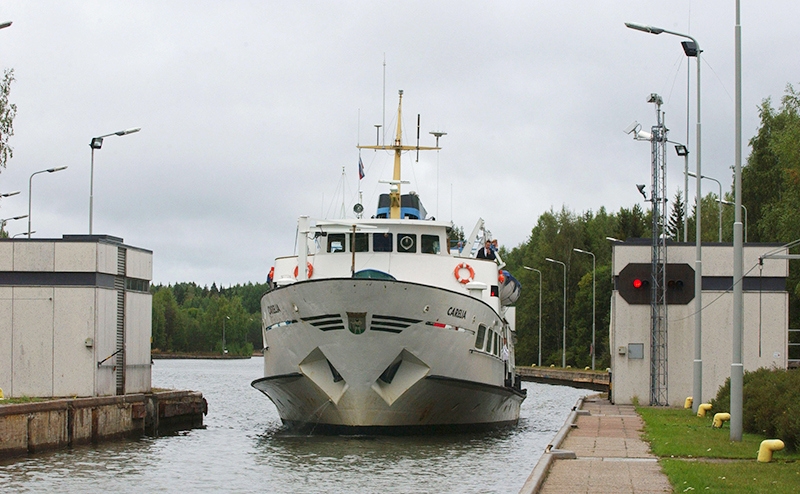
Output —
<point x="59" y="317"/>
<point x="765" y="342"/>
<point x="51" y="424"/>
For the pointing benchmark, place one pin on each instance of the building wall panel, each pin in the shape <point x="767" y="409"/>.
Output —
<point x="74" y="363"/>
<point x="75" y="256"/>
<point x="33" y="341"/>
<point x="6" y="311"/>
<point x="34" y="256"/>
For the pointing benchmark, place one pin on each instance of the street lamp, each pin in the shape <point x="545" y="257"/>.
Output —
<point x="30" y="183"/>
<point x="692" y="49"/>
<point x="593" y="299"/>
<point x="692" y="174"/>
<point x="540" y="311"/>
<point x="684" y="151"/>
<point x="97" y="143"/>
<point x="4" y="221"/>
<point x="21" y="233"/>
<point x="564" y="326"/>
<point x="729" y="203"/>
<point x="223" y="335"/>
<point x="9" y="194"/>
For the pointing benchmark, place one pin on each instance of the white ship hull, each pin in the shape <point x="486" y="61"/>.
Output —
<point x="375" y="355"/>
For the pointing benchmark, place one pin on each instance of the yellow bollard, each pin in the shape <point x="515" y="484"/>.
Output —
<point x="702" y="409"/>
<point x="766" y="449"/>
<point x="720" y="418"/>
<point x="1" y="394"/>
<point x="688" y="402"/>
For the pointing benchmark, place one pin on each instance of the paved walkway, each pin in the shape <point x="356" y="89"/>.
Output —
<point x="610" y="456"/>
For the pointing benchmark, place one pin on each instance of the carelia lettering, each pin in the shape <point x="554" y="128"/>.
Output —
<point x="456" y="312"/>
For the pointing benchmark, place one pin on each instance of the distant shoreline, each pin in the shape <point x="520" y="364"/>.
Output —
<point x="199" y="356"/>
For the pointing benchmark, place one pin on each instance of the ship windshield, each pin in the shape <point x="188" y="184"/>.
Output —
<point x="382" y="242"/>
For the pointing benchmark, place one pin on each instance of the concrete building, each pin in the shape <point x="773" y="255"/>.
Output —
<point x="75" y="317"/>
<point x="766" y="315"/>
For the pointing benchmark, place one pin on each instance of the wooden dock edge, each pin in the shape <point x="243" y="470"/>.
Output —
<point x="58" y="423"/>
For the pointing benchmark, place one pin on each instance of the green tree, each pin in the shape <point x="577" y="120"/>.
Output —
<point x="771" y="184"/>
<point x="675" y="222"/>
<point x="7" y="113"/>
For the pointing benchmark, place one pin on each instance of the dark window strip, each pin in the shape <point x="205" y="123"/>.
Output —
<point x="751" y="283"/>
<point x="38" y="278"/>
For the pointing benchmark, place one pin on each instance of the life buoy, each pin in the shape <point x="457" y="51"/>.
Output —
<point x="457" y="273"/>
<point x="501" y="278"/>
<point x="310" y="270"/>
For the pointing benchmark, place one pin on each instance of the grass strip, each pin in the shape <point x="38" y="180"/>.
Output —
<point x="698" y="457"/>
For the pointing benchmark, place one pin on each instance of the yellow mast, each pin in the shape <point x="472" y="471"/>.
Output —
<point x="398" y="148"/>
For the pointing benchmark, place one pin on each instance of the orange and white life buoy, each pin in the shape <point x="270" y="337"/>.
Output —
<point x="464" y="279"/>
<point x="310" y="271"/>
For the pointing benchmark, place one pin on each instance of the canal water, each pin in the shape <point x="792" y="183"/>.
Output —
<point x="243" y="448"/>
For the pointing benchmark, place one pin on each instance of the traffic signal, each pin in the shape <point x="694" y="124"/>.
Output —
<point x="635" y="281"/>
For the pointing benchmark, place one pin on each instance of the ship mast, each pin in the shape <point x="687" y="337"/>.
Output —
<point x="398" y="148"/>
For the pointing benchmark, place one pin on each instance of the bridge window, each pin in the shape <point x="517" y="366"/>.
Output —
<point x="481" y="336"/>
<point x="336" y="242"/>
<point x="362" y="243"/>
<point x="406" y="242"/>
<point x="489" y="341"/>
<point x="430" y="244"/>
<point x="382" y="242"/>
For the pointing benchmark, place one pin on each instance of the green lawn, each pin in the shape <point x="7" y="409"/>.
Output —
<point x="697" y="457"/>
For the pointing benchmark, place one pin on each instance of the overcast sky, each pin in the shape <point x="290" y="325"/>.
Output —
<point x="251" y="109"/>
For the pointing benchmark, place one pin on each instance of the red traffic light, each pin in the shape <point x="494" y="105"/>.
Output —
<point x="637" y="283"/>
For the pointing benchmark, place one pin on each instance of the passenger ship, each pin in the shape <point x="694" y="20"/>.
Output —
<point x="378" y="326"/>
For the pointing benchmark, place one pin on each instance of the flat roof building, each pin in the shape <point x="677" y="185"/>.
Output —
<point x="766" y="317"/>
<point x="75" y="317"/>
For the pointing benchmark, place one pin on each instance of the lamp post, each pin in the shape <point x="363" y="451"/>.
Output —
<point x="97" y="143"/>
<point x="692" y="174"/>
<point x="593" y="299"/>
<point x="684" y="151"/>
<point x="21" y="233"/>
<point x="30" y="184"/>
<point x="564" y="325"/>
<point x="729" y="203"/>
<point x="223" y="335"/>
<point x="540" y="312"/>
<point x="692" y="49"/>
<point x="5" y="220"/>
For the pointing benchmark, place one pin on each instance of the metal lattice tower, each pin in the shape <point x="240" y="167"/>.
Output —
<point x="658" y="302"/>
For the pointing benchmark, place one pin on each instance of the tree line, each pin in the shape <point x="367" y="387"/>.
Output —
<point x="188" y="318"/>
